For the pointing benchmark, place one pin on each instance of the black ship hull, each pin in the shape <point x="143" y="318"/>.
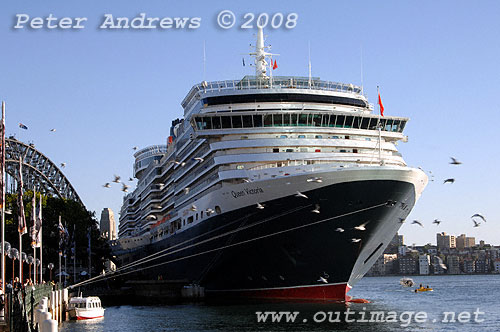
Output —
<point x="285" y="250"/>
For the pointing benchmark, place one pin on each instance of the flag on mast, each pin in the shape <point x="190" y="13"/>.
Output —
<point x="39" y="224"/>
<point x="275" y="65"/>
<point x="381" y="107"/>
<point x="20" y="205"/>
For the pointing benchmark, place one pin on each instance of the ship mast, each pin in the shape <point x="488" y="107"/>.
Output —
<point x="260" y="55"/>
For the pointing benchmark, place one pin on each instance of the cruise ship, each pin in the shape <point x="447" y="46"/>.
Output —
<point x="277" y="187"/>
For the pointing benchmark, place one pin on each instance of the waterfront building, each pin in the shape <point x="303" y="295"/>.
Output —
<point x="408" y="265"/>
<point x="108" y="224"/>
<point x="496" y="265"/>
<point x="445" y="241"/>
<point x="463" y="241"/>
<point x="483" y="265"/>
<point x="469" y="265"/>
<point x="453" y="263"/>
<point x="424" y="262"/>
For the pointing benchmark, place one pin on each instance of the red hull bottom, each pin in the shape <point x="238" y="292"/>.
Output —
<point x="85" y="318"/>
<point x="332" y="292"/>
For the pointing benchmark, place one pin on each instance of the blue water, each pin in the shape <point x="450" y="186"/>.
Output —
<point x="457" y="295"/>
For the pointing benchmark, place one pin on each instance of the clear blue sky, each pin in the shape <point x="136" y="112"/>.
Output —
<point x="437" y="62"/>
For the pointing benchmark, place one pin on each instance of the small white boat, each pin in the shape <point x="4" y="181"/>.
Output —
<point x="85" y="308"/>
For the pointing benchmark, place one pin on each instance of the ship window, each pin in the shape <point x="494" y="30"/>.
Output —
<point x="310" y="120"/>
<point x="247" y="121"/>
<point x="302" y="119"/>
<point x="240" y="167"/>
<point x="277" y="119"/>
<point x="226" y="122"/>
<point x="346" y="137"/>
<point x="355" y="150"/>
<point x="340" y="121"/>
<point x="190" y="220"/>
<point x="276" y="150"/>
<point x="316" y="120"/>
<point x="368" y="139"/>
<point x="197" y="216"/>
<point x="356" y="122"/>
<point x="348" y="121"/>
<point x="317" y="150"/>
<point x="217" y="209"/>
<point x="325" y="121"/>
<point x="268" y="120"/>
<point x="382" y="123"/>
<point x="236" y="119"/>
<point x="286" y="119"/>
<point x="364" y="123"/>
<point x="293" y="118"/>
<point x="201" y="215"/>
<point x="289" y="150"/>
<point x="395" y="125"/>
<point x="216" y="122"/>
<point x="343" y="151"/>
<point x="257" y="120"/>
<point x="388" y="125"/>
<point x="283" y="136"/>
<point x="318" y="136"/>
<point x="301" y="136"/>
<point x="335" y="137"/>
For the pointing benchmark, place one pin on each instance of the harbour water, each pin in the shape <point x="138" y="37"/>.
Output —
<point x="458" y="303"/>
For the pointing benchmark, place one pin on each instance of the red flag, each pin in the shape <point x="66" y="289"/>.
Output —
<point x="275" y="65"/>
<point x="380" y="104"/>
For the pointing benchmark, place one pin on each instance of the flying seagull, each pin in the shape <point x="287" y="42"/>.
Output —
<point x="260" y="206"/>
<point x="437" y="221"/>
<point x="355" y="240"/>
<point x="130" y="179"/>
<point x="117" y="179"/>
<point x="299" y="194"/>
<point x="476" y="224"/>
<point x="63" y="165"/>
<point x="361" y="227"/>
<point x="193" y="208"/>
<point x="199" y="159"/>
<point x="417" y="223"/>
<point x="315" y="179"/>
<point x="135" y="148"/>
<point x="323" y="280"/>
<point x="106" y="185"/>
<point x="455" y="161"/>
<point x="53" y="130"/>
<point x="186" y="190"/>
<point x="247" y="180"/>
<point x="157" y="206"/>
<point x="160" y="185"/>
<point x="449" y="180"/>
<point x="151" y="217"/>
<point x="339" y="230"/>
<point x="316" y="209"/>
<point x="125" y="187"/>
<point x="478" y="215"/>
<point x="209" y="211"/>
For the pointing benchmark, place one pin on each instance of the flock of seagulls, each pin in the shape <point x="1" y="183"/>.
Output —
<point x="475" y="217"/>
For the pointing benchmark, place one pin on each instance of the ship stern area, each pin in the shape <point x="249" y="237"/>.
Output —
<point x="315" y="247"/>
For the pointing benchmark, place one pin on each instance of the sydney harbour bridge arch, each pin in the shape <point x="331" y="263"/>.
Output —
<point x="39" y="172"/>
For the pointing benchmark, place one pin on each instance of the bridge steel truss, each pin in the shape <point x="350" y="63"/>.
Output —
<point x="39" y="172"/>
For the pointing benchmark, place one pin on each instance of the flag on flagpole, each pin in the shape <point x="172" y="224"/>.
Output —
<point x="22" y="126"/>
<point x="380" y="104"/>
<point x="275" y="66"/>
<point x="39" y="224"/>
<point x="20" y="205"/>
<point x="33" y="231"/>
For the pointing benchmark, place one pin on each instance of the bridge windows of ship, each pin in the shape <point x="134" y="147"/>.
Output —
<point x="231" y="121"/>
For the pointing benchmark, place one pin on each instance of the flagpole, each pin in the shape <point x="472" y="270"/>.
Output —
<point x="41" y="237"/>
<point x="60" y="252"/>
<point x="21" y="214"/>
<point x="3" y="194"/>
<point x="34" y="272"/>
<point x="379" y="131"/>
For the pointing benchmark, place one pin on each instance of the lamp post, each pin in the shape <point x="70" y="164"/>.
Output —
<point x="50" y="266"/>
<point x="13" y="254"/>
<point x="30" y="261"/>
<point x="37" y="262"/>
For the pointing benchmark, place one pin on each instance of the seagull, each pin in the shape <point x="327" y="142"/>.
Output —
<point x="209" y="211"/>
<point x="106" y="185"/>
<point x="247" y="180"/>
<point x="476" y="224"/>
<point x="135" y="148"/>
<point x="339" y="230"/>
<point x="186" y="190"/>
<point x="160" y="185"/>
<point x="63" y="165"/>
<point x="260" y="206"/>
<point x="117" y="179"/>
<point x="437" y="221"/>
<point x="361" y="227"/>
<point x="417" y="222"/>
<point x="402" y="220"/>
<point x="455" y="161"/>
<point x="315" y="179"/>
<point x="449" y="180"/>
<point x="299" y="194"/>
<point x="478" y="215"/>
<point x="151" y="217"/>
<point x="323" y="280"/>
<point x="193" y="208"/>
<point x="157" y="206"/>
<point x="125" y="187"/>
<point x="53" y="130"/>
<point x="199" y="159"/>
<point x="130" y="179"/>
<point x="355" y="240"/>
<point x="316" y="209"/>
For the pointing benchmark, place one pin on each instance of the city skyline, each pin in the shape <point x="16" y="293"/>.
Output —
<point x="106" y="92"/>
